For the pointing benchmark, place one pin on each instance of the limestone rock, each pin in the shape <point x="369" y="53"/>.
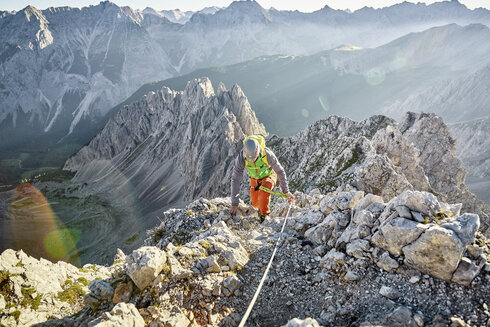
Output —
<point x="176" y="269"/>
<point x="101" y="289"/>
<point x="466" y="272"/>
<point x="230" y="285"/>
<point x="437" y="252"/>
<point x="444" y="170"/>
<point x="333" y="260"/>
<point x="211" y="265"/>
<point x="123" y="314"/>
<point x="397" y="233"/>
<point x="386" y="262"/>
<point x="351" y="276"/>
<point x="389" y="292"/>
<point x="358" y="248"/>
<point x="308" y="322"/>
<point x="144" y="264"/>
<point x="401" y="317"/>
<point x="367" y="201"/>
<point x="319" y="234"/>
<point x="123" y="292"/>
<point x="464" y="226"/>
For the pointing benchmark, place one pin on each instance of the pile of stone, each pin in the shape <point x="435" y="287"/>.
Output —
<point x="33" y="291"/>
<point x="345" y="258"/>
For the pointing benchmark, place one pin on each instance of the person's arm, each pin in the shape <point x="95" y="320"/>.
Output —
<point x="281" y="174"/>
<point x="236" y="178"/>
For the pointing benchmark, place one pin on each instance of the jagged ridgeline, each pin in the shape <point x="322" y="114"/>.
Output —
<point x="177" y="146"/>
<point x="384" y="231"/>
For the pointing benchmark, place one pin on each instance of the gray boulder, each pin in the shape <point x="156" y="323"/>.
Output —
<point x="144" y="264"/>
<point x="386" y="262"/>
<point x="464" y="226"/>
<point x="101" y="289"/>
<point x="123" y="314"/>
<point x="437" y="252"/>
<point x="358" y="248"/>
<point x="466" y="272"/>
<point x="397" y="233"/>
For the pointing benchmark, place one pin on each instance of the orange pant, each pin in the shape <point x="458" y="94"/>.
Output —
<point x="261" y="199"/>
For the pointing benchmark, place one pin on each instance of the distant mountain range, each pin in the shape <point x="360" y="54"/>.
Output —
<point x="62" y="69"/>
<point x="430" y="71"/>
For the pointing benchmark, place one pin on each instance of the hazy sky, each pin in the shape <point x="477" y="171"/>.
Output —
<point x="301" y="5"/>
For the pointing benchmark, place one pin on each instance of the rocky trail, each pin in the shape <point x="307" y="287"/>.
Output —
<point x="345" y="259"/>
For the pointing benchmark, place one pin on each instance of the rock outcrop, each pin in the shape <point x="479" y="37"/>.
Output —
<point x="214" y="263"/>
<point x="379" y="156"/>
<point x="169" y="146"/>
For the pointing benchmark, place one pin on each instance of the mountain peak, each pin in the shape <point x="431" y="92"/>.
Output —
<point x="30" y="11"/>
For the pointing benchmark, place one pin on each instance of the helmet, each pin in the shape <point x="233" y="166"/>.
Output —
<point x="251" y="149"/>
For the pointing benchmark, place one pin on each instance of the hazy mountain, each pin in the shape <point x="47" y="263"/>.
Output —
<point x="290" y="92"/>
<point x="179" y="16"/>
<point x="63" y="68"/>
<point x="461" y="99"/>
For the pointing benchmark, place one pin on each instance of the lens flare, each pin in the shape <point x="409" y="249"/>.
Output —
<point x="33" y="227"/>
<point x="324" y="103"/>
<point x="62" y="242"/>
<point x="375" y="76"/>
<point x="305" y="113"/>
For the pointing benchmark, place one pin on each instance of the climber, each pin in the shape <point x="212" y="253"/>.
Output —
<point x="263" y="168"/>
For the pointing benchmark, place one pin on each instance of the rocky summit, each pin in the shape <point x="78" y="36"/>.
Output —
<point x="345" y="258"/>
<point x="383" y="231"/>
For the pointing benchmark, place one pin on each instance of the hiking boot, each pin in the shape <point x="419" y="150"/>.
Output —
<point x="262" y="217"/>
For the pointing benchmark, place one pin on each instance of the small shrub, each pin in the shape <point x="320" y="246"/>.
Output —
<point x="83" y="281"/>
<point x="16" y="315"/>
<point x="71" y="293"/>
<point x="29" y="300"/>
<point x="205" y="244"/>
<point x="166" y="269"/>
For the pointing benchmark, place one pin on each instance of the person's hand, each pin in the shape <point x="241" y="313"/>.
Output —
<point x="233" y="210"/>
<point x="290" y="197"/>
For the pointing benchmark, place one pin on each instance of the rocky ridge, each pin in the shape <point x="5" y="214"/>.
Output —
<point x="379" y="156"/>
<point x="170" y="146"/>
<point x="473" y="145"/>
<point x="345" y="258"/>
<point x="382" y="234"/>
<point x="139" y="148"/>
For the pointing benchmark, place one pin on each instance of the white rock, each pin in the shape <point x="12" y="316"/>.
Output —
<point x="308" y="322"/>
<point x="386" y="262"/>
<point x="358" y="248"/>
<point x="176" y="269"/>
<point x="437" y="252"/>
<point x="397" y="233"/>
<point x="389" y="292"/>
<point x="123" y="314"/>
<point x="144" y="264"/>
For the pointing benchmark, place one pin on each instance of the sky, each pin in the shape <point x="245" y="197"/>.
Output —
<point x="301" y="5"/>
